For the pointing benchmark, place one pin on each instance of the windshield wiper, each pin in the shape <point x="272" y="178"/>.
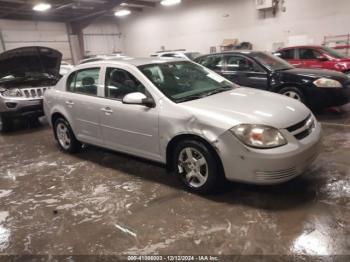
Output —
<point x="189" y="98"/>
<point x="205" y="94"/>
<point x="217" y="91"/>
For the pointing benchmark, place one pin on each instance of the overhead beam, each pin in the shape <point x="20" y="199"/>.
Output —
<point x="14" y="11"/>
<point x="140" y="2"/>
<point x="81" y="22"/>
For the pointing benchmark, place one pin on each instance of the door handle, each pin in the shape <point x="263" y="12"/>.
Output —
<point x="69" y="102"/>
<point x="297" y="64"/>
<point x="107" y="110"/>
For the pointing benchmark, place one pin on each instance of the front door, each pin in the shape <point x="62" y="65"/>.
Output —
<point x="213" y="62"/>
<point x="129" y="128"/>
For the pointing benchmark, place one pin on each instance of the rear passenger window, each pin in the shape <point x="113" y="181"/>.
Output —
<point x="240" y="63"/>
<point x="287" y="54"/>
<point x="169" y="55"/>
<point x="84" y="81"/>
<point x="119" y="83"/>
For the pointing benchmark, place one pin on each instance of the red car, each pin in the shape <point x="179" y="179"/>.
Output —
<point x="315" y="57"/>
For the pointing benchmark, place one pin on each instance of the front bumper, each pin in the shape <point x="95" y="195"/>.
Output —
<point x="328" y="97"/>
<point x="21" y="107"/>
<point x="268" y="166"/>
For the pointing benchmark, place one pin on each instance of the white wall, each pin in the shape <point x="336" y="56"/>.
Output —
<point x="199" y="24"/>
<point x="27" y="33"/>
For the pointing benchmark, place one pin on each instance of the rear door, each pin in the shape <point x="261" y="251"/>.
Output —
<point x="83" y="104"/>
<point x="245" y="72"/>
<point x="310" y="58"/>
<point x="290" y="56"/>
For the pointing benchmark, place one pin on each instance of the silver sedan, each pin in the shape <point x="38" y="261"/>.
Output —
<point x="203" y="127"/>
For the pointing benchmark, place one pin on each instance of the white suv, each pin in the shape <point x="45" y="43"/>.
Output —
<point x="177" y="54"/>
<point x="203" y="127"/>
<point x="25" y="74"/>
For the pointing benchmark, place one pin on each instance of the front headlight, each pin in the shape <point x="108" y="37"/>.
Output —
<point x="259" y="136"/>
<point x="327" y="83"/>
<point x="14" y="92"/>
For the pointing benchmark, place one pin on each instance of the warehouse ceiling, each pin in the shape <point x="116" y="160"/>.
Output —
<point x="70" y="11"/>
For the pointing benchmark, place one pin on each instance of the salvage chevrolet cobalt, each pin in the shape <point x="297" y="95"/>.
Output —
<point x="203" y="127"/>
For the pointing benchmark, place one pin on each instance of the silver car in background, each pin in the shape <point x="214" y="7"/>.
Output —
<point x="203" y="127"/>
<point x="25" y="74"/>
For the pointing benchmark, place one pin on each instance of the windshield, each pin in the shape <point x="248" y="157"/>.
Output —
<point x="193" y="55"/>
<point x="271" y="62"/>
<point x="184" y="81"/>
<point x="332" y="52"/>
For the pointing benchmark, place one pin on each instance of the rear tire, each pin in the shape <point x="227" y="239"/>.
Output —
<point x="293" y="92"/>
<point x="197" y="167"/>
<point x="5" y="124"/>
<point x="65" y="136"/>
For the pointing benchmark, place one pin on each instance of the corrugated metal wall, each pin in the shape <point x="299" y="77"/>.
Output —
<point x="25" y="33"/>
<point x="102" y="38"/>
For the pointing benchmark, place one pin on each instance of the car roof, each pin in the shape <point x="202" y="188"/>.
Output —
<point x="302" y="46"/>
<point x="133" y="61"/>
<point x="243" y="52"/>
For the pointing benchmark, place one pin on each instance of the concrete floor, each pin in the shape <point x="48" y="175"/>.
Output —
<point x="100" y="202"/>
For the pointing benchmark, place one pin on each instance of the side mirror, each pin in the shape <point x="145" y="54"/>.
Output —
<point x="322" y="58"/>
<point x="138" y="99"/>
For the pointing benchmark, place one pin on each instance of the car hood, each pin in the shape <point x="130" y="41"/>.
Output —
<point x="249" y="106"/>
<point x="315" y="73"/>
<point x="30" y="60"/>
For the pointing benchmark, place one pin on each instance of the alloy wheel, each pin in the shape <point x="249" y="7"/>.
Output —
<point x="193" y="167"/>
<point x="293" y="95"/>
<point x="63" y="136"/>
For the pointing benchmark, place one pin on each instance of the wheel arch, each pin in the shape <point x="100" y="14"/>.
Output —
<point x="181" y="137"/>
<point x="59" y="114"/>
<point x="288" y="84"/>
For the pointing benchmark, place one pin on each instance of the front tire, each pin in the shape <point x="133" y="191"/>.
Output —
<point x="197" y="167"/>
<point x="65" y="136"/>
<point x="293" y="92"/>
<point x="5" y="124"/>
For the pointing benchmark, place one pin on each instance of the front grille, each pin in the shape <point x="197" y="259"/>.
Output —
<point x="298" y="125"/>
<point x="302" y="129"/>
<point x="37" y="92"/>
<point x="275" y="175"/>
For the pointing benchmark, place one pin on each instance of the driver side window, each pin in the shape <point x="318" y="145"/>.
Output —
<point x="241" y="64"/>
<point x="119" y="83"/>
<point x="308" y="54"/>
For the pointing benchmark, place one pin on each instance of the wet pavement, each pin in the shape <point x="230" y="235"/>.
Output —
<point x="100" y="202"/>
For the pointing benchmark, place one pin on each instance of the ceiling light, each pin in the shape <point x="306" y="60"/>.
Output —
<point x="41" y="7"/>
<point x="170" y="2"/>
<point x="123" y="12"/>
